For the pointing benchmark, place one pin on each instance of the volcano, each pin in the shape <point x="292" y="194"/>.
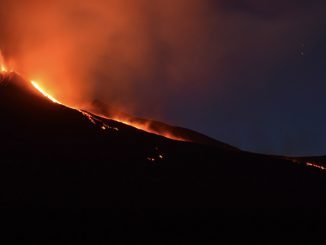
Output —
<point x="56" y="156"/>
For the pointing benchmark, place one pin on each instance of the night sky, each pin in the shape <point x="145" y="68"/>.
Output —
<point x="250" y="73"/>
<point x="274" y="99"/>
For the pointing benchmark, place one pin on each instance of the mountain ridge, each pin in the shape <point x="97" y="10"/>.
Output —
<point x="56" y="156"/>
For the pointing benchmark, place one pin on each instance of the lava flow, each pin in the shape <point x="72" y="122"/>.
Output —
<point x="146" y="127"/>
<point x="42" y="91"/>
<point x="316" y="165"/>
<point x="141" y="126"/>
<point x="3" y="68"/>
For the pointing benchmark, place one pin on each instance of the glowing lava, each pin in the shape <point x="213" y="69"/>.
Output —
<point x="142" y="126"/>
<point x="146" y="127"/>
<point x="316" y="165"/>
<point x="3" y="68"/>
<point x="42" y="91"/>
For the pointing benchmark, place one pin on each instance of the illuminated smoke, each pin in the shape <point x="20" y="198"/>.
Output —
<point x="136" y="54"/>
<point x="127" y="53"/>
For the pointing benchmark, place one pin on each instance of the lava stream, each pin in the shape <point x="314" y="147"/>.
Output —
<point x="140" y="126"/>
<point x="127" y="121"/>
<point x="35" y="84"/>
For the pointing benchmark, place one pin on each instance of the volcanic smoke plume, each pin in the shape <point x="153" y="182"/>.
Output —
<point x="136" y="54"/>
<point x="126" y="53"/>
<point x="166" y="59"/>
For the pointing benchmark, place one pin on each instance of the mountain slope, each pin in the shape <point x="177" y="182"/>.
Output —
<point x="52" y="155"/>
<point x="158" y="127"/>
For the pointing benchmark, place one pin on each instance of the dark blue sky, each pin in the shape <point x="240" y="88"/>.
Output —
<point x="275" y="102"/>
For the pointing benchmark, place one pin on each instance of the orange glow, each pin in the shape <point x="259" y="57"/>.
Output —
<point x="144" y="127"/>
<point x="42" y="91"/>
<point x="3" y="68"/>
<point x="141" y="126"/>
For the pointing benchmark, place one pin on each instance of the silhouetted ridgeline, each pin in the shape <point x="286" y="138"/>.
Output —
<point x="55" y="156"/>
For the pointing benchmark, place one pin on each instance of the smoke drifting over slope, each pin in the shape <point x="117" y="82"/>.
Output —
<point x="120" y="50"/>
<point x="159" y="58"/>
<point x="128" y="52"/>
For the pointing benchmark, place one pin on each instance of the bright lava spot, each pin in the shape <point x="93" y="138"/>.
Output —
<point x="151" y="159"/>
<point x="44" y="93"/>
<point x="315" y="165"/>
<point x="146" y="126"/>
<point x="3" y="68"/>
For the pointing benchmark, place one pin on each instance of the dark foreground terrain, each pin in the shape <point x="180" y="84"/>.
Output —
<point x="55" y="156"/>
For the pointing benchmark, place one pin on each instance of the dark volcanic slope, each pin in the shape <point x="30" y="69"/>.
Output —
<point x="160" y="127"/>
<point x="52" y="155"/>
